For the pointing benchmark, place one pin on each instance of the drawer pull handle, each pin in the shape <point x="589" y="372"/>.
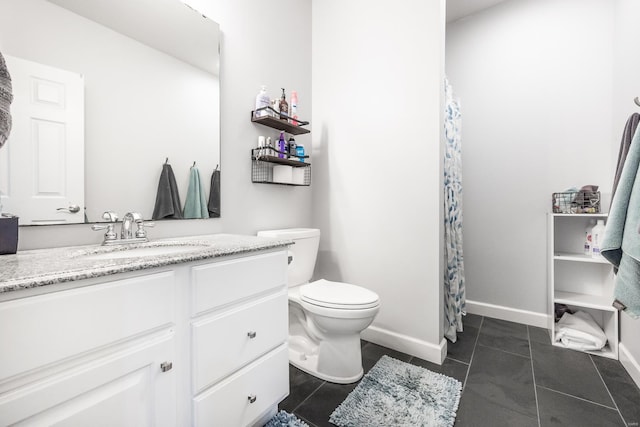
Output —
<point x="251" y="334"/>
<point x="252" y="398"/>
<point x="166" y="366"/>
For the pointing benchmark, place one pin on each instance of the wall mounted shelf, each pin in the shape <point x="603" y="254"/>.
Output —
<point x="262" y="169"/>
<point x="273" y="120"/>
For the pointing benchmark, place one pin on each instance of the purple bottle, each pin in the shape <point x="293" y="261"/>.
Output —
<point x="282" y="146"/>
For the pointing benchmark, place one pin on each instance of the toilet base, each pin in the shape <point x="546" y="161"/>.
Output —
<point x="338" y="362"/>
<point x="309" y="364"/>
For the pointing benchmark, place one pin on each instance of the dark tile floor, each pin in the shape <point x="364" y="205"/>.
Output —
<point x="512" y="376"/>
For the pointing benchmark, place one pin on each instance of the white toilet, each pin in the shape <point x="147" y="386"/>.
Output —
<point x="325" y="318"/>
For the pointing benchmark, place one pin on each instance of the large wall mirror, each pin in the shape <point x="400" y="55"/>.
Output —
<point x="146" y="91"/>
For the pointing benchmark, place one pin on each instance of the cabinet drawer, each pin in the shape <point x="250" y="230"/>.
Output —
<point x="229" y="403"/>
<point x="221" y="283"/>
<point x="49" y="328"/>
<point x="224" y="343"/>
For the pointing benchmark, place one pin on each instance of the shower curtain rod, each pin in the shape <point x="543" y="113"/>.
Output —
<point x="637" y="101"/>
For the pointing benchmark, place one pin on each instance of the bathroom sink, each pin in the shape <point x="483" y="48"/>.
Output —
<point x="141" y="252"/>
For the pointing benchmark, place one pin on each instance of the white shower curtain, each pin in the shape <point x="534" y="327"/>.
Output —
<point x="454" y="292"/>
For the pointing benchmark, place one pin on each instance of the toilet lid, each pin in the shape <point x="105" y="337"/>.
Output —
<point x="338" y="295"/>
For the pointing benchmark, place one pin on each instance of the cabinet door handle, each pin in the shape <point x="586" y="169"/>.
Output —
<point x="166" y="366"/>
<point x="251" y="334"/>
<point x="252" y="398"/>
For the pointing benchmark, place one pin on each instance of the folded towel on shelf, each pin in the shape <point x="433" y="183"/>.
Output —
<point x="196" y="204"/>
<point x="579" y="331"/>
<point x="214" y="195"/>
<point x="621" y="243"/>
<point x="167" y="199"/>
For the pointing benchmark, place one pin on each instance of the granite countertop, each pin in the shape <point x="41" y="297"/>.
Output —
<point x="40" y="267"/>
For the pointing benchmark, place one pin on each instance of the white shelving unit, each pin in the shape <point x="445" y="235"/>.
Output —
<point x="578" y="280"/>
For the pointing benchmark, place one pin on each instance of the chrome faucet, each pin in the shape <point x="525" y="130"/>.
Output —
<point x="126" y="229"/>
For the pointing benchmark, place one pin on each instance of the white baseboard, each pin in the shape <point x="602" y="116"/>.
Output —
<point x="406" y="344"/>
<point x="630" y="363"/>
<point x="531" y="318"/>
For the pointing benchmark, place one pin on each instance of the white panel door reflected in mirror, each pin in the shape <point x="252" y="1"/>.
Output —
<point x="48" y="137"/>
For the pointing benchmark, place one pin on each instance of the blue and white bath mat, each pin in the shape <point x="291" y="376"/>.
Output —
<point x="395" y="393"/>
<point x="285" y="419"/>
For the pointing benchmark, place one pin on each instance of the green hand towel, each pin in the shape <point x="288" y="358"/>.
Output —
<point x="621" y="243"/>
<point x="196" y="204"/>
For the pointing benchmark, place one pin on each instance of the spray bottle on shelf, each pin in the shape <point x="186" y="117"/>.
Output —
<point x="588" y="238"/>
<point x="597" y="235"/>
<point x="294" y="108"/>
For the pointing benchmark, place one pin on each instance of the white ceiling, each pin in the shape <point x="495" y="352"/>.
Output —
<point x="457" y="9"/>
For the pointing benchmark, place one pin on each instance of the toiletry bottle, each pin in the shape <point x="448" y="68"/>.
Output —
<point x="269" y="147"/>
<point x="300" y="152"/>
<point x="284" y="106"/>
<point x="262" y="100"/>
<point x="282" y="146"/>
<point x="588" y="239"/>
<point x="293" y="114"/>
<point x="291" y="147"/>
<point x="597" y="235"/>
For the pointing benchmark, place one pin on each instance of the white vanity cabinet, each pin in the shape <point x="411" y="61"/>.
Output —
<point x="239" y="333"/>
<point x="196" y="344"/>
<point x="90" y="355"/>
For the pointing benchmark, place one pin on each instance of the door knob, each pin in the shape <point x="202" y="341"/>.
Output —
<point x="70" y="209"/>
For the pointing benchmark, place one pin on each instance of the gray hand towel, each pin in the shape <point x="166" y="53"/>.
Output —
<point x="167" y="200"/>
<point x="214" y="195"/>
<point x="629" y="130"/>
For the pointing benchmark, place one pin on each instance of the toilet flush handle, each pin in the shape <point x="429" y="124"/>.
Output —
<point x="290" y="257"/>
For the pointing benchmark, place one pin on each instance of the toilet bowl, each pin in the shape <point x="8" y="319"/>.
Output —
<point x="325" y="317"/>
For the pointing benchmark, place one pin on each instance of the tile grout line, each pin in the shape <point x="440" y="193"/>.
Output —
<point x="505" y="351"/>
<point x="533" y="375"/>
<point x="608" y="391"/>
<point x="458" y="361"/>
<point x="475" y="344"/>
<point x="577" y="397"/>
<point x="308" y="397"/>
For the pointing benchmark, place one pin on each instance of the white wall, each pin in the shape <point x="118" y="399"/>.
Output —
<point x="626" y="87"/>
<point x="377" y="80"/>
<point x="250" y="57"/>
<point x="535" y="82"/>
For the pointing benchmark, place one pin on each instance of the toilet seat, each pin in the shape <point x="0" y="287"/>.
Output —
<point x="338" y="295"/>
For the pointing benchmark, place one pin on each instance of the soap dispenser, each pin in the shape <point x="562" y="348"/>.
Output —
<point x="284" y="106"/>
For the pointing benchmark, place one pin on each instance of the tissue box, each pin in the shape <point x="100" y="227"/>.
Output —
<point x="283" y="174"/>
<point x="8" y="234"/>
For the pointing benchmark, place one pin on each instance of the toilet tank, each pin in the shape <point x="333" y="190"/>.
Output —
<point x="304" y="252"/>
